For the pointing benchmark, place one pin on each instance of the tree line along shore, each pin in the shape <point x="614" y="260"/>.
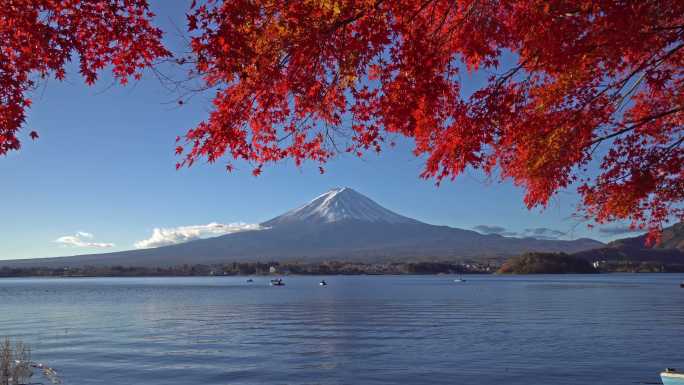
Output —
<point x="527" y="263"/>
<point x="256" y="268"/>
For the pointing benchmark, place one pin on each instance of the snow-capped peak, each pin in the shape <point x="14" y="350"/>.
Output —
<point x="339" y="204"/>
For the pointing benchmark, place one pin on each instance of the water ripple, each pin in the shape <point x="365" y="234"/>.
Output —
<point x="609" y="330"/>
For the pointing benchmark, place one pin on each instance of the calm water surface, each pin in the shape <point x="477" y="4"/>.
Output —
<point x="604" y="330"/>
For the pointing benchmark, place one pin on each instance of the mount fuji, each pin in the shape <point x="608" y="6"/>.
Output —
<point x="338" y="205"/>
<point x="340" y="224"/>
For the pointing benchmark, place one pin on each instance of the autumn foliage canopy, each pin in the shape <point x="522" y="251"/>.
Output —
<point x="39" y="37"/>
<point x="575" y="93"/>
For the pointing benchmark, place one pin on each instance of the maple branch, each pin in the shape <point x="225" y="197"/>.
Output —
<point x="351" y="19"/>
<point x="674" y="145"/>
<point x="330" y="138"/>
<point x="421" y="8"/>
<point x="674" y="27"/>
<point x="510" y="73"/>
<point x="640" y="123"/>
<point x="646" y="64"/>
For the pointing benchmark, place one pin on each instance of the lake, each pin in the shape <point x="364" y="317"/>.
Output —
<point x="592" y="329"/>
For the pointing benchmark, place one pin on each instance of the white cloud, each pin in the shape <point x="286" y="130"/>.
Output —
<point x="175" y="235"/>
<point x="620" y="230"/>
<point x="544" y="233"/>
<point x="486" y="229"/>
<point x="81" y="239"/>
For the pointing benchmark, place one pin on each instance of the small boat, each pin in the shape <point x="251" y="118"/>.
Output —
<point x="672" y="377"/>
<point x="323" y="283"/>
<point x="277" y="282"/>
<point x="459" y="279"/>
<point x="681" y="285"/>
<point x="250" y="280"/>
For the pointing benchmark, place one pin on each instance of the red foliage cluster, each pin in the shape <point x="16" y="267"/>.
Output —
<point x="39" y="37"/>
<point x="574" y="85"/>
<point x="588" y="78"/>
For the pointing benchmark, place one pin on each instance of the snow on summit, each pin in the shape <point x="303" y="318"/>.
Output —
<point x="340" y="204"/>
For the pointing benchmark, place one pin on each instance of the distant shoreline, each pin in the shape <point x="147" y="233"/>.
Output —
<point x="328" y="275"/>
<point x="256" y="269"/>
<point x="329" y="268"/>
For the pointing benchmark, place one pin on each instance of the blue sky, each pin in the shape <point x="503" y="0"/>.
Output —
<point x="104" y="165"/>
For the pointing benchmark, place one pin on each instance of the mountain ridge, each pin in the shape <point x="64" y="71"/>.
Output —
<point x="634" y="249"/>
<point x="671" y="238"/>
<point x="339" y="224"/>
